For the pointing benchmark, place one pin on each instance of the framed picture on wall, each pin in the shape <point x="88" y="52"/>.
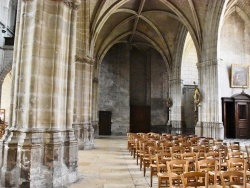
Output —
<point x="240" y="75"/>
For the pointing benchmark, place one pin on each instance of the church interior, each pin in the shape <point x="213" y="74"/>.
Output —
<point x="74" y="73"/>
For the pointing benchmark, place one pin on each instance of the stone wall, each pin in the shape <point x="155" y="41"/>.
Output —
<point x="139" y="78"/>
<point x="234" y="49"/>
<point x="114" y="88"/>
<point x="189" y="71"/>
<point x="130" y="77"/>
<point x="159" y="90"/>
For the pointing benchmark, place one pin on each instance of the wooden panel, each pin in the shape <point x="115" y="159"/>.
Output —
<point x="104" y="123"/>
<point x="140" y="119"/>
<point x="242" y="120"/>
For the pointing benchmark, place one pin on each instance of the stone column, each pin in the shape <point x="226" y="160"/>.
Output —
<point x="175" y="112"/>
<point x="83" y="103"/>
<point x="95" y="106"/>
<point x="210" y="118"/>
<point x="39" y="148"/>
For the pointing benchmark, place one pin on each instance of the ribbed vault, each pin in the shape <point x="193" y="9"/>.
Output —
<point x="145" y="24"/>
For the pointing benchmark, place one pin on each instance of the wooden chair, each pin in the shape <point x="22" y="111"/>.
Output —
<point x="194" y="141"/>
<point x="194" y="179"/>
<point x="176" y="152"/>
<point x="166" y="146"/>
<point x="212" y="155"/>
<point x="248" y="156"/>
<point x="236" y="164"/>
<point x="187" y="146"/>
<point x="176" y="167"/>
<point x="235" y="146"/>
<point x="190" y="157"/>
<point x="163" y="176"/>
<point x="153" y="150"/>
<point x="233" y="179"/>
<point x="131" y="142"/>
<point x="235" y="154"/>
<point x="145" y="162"/>
<point x="211" y="166"/>
<point x="223" y="156"/>
<point x="218" y="142"/>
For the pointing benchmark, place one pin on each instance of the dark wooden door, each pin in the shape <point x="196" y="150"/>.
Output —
<point x="230" y="120"/>
<point x="140" y="119"/>
<point x="104" y="122"/>
<point x="242" y="120"/>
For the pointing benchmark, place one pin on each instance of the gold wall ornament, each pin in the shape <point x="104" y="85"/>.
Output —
<point x="168" y="102"/>
<point x="197" y="96"/>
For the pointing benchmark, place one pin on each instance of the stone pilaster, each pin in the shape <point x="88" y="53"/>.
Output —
<point x="175" y="111"/>
<point x="210" y="118"/>
<point x="95" y="106"/>
<point x="39" y="148"/>
<point x="83" y="105"/>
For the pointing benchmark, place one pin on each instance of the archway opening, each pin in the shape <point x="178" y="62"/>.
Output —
<point x="189" y="76"/>
<point x="133" y="85"/>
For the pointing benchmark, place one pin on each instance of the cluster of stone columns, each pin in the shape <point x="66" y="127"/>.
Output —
<point x="82" y="104"/>
<point x="210" y="118"/>
<point x="39" y="148"/>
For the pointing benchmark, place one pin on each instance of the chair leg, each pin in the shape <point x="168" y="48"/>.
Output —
<point x="159" y="182"/>
<point x="144" y="170"/>
<point x="140" y="163"/>
<point x="151" y="176"/>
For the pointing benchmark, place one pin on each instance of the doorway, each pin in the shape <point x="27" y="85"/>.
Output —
<point x="236" y="113"/>
<point x="104" y="122"/>
<point x="140" y="119"/>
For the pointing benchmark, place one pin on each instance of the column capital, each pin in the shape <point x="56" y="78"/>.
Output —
<point x="208" y="63"/>
<point x="73" y="4"/>
<point x="86" y="60"/>
<point x="175" y="81"/>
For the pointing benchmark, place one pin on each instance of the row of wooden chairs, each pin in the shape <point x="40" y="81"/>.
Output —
<point x="188" y="149"/>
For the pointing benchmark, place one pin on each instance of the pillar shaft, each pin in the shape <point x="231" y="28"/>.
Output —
<point x="83" y="103"/>
<point x="210" y="117"/>
<point x="175" y="111"/>
<point x="39" y="148"/>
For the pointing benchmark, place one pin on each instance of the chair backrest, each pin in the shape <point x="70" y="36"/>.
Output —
<point x="160" y="160"/>
<point x="207" y="165"/>
<point x="212" y="155"/>
<point x="248" y="156"/>
<point x="153" y="150"/>
<point x="177" y="166"/>
<point x="229" y="178"/>
<point x="223" y="152"/>
<point x="235" y="154"/>
<point x="235" y="146"/>
<point x="236" y="164"/>
<point x="190" y="157"/>
<point x="166" y="146"/>
<point x="194" y="179"/>
<point x="176" y="152"/>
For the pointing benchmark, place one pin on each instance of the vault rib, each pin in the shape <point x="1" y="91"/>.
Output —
<point x="137" y="19"/>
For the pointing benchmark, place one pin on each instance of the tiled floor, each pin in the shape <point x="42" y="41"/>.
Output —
<point x="110" y="165"/>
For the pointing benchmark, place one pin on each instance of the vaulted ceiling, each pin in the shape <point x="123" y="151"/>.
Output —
<point x="148" y="23"/>
<point x="145" y="23"/>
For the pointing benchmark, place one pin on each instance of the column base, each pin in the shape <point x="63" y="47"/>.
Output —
<point x="178" y="127"/>
<point x="210" y="129"/>
<point x="38" y="158"/>
<point x="88" y="136"/>
<point x="85" y="135"/>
